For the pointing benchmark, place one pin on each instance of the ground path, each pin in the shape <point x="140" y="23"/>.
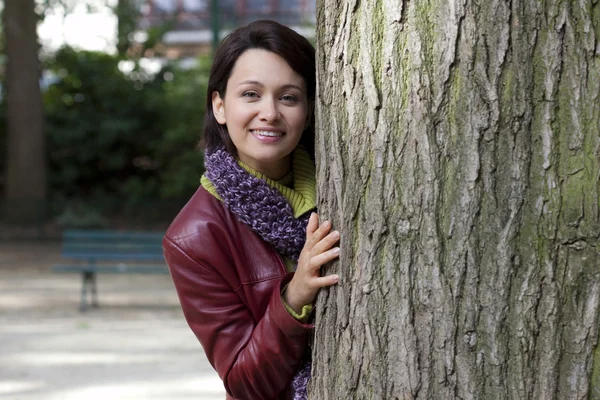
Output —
<point x="136" y="346"/>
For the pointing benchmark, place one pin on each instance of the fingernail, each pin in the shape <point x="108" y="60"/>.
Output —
<point x="336" y="278"/>
<point x="336" y="250"/>
<point x="335" y="234"/>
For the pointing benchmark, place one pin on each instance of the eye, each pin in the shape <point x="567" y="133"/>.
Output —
<point x="250" y="94"/>
<point x="289" y="98"/>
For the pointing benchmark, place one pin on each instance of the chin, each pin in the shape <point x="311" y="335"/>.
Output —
<point x="273" y="154"/>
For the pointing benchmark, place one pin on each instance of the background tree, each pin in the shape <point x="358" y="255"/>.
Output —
<point x="459" y="155"/>
<point x="126" y="12"/>
<point x="120" y="134"/>
<point x="25" y="187"/>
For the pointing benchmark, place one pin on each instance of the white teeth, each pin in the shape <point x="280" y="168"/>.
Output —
<point x="268" y="133"/>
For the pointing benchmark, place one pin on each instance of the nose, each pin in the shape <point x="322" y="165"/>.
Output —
<point x="269" y="111"/>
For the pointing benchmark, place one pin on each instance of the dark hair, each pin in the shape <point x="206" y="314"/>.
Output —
<point x="271" y="36"/>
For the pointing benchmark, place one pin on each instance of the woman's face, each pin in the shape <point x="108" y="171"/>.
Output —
<point x="265" y="110"/>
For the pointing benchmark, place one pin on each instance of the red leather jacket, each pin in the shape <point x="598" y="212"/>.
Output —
<point x="229" y="283"/>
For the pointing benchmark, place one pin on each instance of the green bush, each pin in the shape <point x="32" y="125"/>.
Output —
<point x="117" y="141"/>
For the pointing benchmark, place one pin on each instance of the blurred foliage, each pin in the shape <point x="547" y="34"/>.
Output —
<point x="119" y="142"/>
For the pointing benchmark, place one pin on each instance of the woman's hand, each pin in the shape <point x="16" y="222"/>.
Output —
<point x="307" y="280"/>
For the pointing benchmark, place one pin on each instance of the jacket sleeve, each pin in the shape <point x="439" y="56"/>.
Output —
<point x="255" y="359"/>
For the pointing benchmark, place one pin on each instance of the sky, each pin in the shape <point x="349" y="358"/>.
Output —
<point x="81" y="29"/>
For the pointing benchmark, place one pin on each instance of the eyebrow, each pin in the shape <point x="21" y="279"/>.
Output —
<point x="257" y="83"/>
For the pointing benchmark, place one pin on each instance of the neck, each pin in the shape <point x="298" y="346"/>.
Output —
<point x="274" y="171"/>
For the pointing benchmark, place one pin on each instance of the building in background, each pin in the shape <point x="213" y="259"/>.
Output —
<point x="192" y="20"/>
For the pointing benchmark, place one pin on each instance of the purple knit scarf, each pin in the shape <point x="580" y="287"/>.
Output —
<point x="267" y="212"/>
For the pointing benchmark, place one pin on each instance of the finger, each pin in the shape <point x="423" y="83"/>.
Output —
<point x="317" y="262"/>
<point x="320" y="233"/>
<point x="324" y="281"/>
<point x="311" y="228"/>
<point x="326" y="243"/>
<point x="313" y="224"/>
<point x="315" y="237"/>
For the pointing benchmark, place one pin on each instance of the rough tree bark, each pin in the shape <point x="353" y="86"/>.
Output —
<point x="26" y="159"/>
<point x="458" y="152"/>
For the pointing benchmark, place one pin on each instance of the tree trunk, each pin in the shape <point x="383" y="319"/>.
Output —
<point x="25" y="189"/>
<point x="458" y="153"/>
<point x="126" y="13"/>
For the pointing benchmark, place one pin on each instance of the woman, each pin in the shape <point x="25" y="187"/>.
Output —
<point x="245" y="252"/>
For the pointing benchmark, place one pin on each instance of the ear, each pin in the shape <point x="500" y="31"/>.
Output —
<point x="218" y="106"/>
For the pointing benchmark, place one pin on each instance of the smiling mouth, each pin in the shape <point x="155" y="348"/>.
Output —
<point x="267" y="133"/>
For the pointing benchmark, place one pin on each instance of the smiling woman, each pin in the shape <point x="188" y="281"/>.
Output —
<point x="265" y="110"/>
<point x="245" y="252"/>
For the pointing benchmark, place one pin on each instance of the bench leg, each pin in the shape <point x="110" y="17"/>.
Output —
<point x="88" y="279"/>
<point x="94" y="290"/>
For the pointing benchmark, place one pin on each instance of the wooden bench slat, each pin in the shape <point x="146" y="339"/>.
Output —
<point x="111" y="235"/>
<point x="117" y="243"/>
<point x="111" y="250"/>
<point x="130" y="257"/>
<point x="112" y="268"/>
<point x="107" y="243"/>
<point x="113" y="246"/>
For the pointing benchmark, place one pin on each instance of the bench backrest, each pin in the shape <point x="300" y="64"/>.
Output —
<point x="98" y="245"/>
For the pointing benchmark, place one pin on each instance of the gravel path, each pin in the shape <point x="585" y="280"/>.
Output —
<point x="135" y="346"/>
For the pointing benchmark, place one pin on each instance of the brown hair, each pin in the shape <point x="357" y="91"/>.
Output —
<point x="270" y="36"/>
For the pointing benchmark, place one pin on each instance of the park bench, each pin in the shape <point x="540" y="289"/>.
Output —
<point x="91" y="252"/>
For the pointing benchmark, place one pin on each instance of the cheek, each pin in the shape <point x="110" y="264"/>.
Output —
<point x="241" y="115"/>
<point x="300" y="119"/>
